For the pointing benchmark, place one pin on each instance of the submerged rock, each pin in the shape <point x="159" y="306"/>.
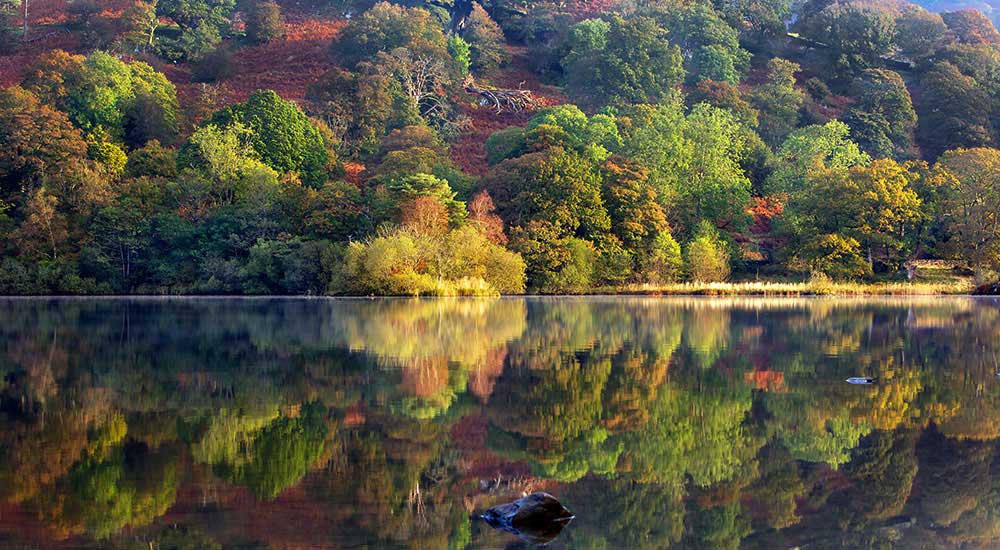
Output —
<point x="537" y="518"/>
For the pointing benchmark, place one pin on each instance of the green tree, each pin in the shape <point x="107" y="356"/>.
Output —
<point x="620" y="61"/>
<point x="882" y="120"/>
<point x="709" y="45"/>
<point x="281" y="134"/>
<point x="758" y="21"/>
<point x="714" y="185"/>
<point x="813" y="148"/>
<point x="951" y="112"/>
<point x="192" y="13"/>
<point x="705" y="256"/>
<point x="663" y="263"/>
<point x="386" y="27"/>
<point x="778" y="101"/>
<point x="280" y="454"/>
<point x="856" y="36"/>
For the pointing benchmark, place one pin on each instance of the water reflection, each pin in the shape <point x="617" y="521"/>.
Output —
<point x="688" y="423"/>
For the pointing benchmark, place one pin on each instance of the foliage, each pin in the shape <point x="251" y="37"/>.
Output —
<point x="970" y="200"/>
<point x="620" y="61"/>
<point x="705" y="256"/>
<point x="485" y="39"/>
<point x="386" y="27"/>
<point x="882" y="121"/>
<point x="461" y="262"/>
<point x="281" y="134"/>
<point x="265" y="22"/>
<point x="778" y="101"/>
<point x="951" y="112"/>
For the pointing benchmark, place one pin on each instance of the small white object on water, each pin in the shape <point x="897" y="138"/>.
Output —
<point x="860" y="380"/>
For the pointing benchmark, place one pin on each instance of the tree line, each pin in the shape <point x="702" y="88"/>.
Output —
<point x="696" y="141"/>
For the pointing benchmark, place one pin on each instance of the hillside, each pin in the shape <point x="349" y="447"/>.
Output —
<point x="258" y="147"/>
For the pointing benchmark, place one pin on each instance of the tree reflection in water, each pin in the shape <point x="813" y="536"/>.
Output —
<point x="694" y="423"/>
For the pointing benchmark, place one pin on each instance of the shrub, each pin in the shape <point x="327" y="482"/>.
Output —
<point x="664" y="263"/>
<point x="214" y="66"/>
<point x="403" y="262"/>
<point x="838" y="257"/>
<point x="706" y="257"/>
<point x="577" y="274"/>
<point x="265" y="22"/>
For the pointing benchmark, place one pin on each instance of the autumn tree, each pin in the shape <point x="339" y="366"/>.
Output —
<point x="920" y="34"/>
<point x="725" y="96"/>
<point x="872" y="210"/>
<point x="971" y="27"/>
<point x="486" y="40"/>
<point x="39" y="142"/>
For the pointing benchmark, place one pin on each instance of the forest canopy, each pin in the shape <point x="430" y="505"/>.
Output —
<point x="646" y="144"/>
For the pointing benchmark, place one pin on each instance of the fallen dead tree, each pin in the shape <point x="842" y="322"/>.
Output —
<point x="504" y="101"/>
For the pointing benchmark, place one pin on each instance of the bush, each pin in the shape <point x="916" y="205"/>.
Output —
<point x="265" y="22"/>
<point x="664" y="263"/>
<point x="214" y="66"/>
<point x="838" y="257"/>
<point x="152" y="160"/>
<point x="577" y="274"/>
<point x="706" y="257"/>
<point x="403" y="262"/>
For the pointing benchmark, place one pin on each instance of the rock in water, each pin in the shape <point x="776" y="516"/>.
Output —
<point x="537" y="518"/>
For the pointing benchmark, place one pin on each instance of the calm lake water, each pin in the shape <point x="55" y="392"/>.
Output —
<point x="681" y="423"/>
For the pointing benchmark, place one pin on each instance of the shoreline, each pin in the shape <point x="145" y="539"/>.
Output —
<point x="747" y="289"/>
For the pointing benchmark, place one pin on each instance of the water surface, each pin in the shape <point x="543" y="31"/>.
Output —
<point x="661" y="423"/>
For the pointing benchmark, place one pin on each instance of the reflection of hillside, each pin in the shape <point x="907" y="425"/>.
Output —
<point x="386" y="423"/>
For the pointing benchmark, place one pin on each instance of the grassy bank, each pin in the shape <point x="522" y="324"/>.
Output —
<point x="800" y="289"/>
<point x="806" y="288"/>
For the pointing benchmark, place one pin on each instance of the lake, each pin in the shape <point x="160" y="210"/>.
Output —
<point x="393" y="423"/>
